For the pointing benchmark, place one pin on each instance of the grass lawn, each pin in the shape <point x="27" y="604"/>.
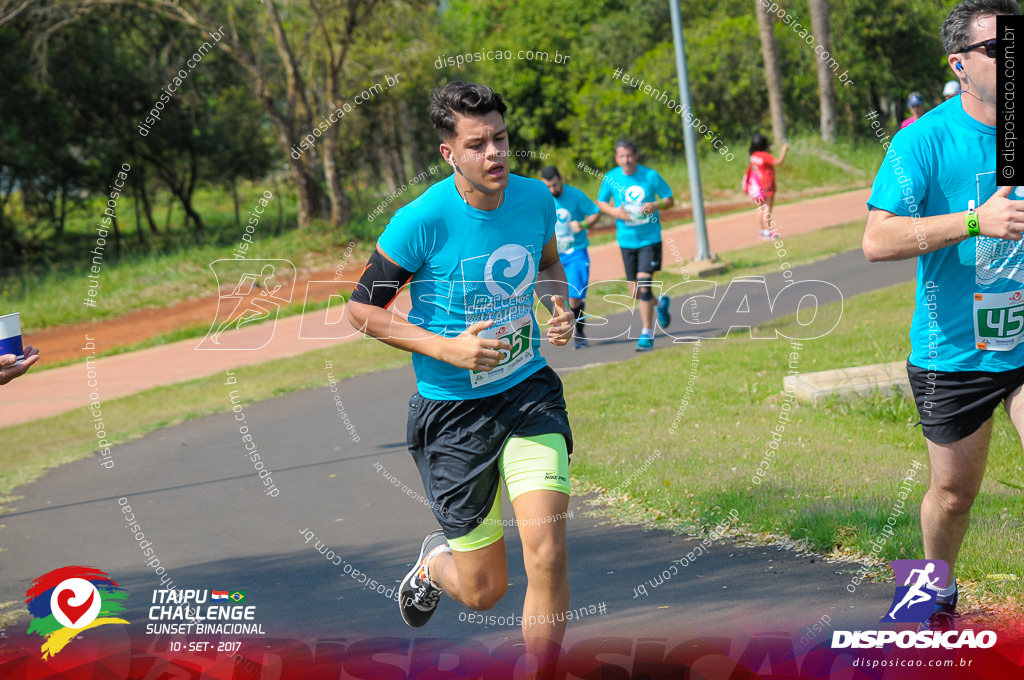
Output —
<point x="810" y="167"/>
<point x="834" y="479"/>
<point x="750" y="261"/>
<point x="757" y="259"/>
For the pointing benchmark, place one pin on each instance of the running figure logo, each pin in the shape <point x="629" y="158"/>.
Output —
<point x="914" y="600"/>
<point x="262" y="288"/>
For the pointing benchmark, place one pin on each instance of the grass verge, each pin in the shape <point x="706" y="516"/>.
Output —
<point x="21" y="460"/>
<point x="70" y="436"/>
<point x="758" y="259"/>
<point x="834" y="479"/>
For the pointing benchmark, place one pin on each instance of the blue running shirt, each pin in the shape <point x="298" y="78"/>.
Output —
<point x="630" y="192"/>
<point x="474" y="265"/>
<point x="571" y="205"/>
<point x="969" y="313"/>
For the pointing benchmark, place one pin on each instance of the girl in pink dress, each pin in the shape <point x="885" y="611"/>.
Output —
<point x="759" y="180"/>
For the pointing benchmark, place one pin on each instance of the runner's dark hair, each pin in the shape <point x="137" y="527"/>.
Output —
<point x="463" y="99"/>
<point x="956" y="29"/>
<point x="627" y="143"/>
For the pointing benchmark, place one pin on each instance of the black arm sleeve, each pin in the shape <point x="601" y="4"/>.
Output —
<point x="380" y="282"/>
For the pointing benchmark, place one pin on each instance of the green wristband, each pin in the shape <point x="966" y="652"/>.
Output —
<point x="973" y="227"/>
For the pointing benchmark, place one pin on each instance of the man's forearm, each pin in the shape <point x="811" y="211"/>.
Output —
<point x="898" y="238"/>
<point x="393" y="329"/>
<point x="551" y="281"/>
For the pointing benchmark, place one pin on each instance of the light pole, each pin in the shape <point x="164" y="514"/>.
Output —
<point x="690" y="139"/>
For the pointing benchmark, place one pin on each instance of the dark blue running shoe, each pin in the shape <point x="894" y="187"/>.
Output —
<point x="942" y="616"/>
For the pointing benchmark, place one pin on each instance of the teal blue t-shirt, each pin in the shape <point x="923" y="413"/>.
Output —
<point x="630" y="192"/>
<point x="571" y="205"/>
<point x="474" y="265"/>
<point x="970" y="296"/>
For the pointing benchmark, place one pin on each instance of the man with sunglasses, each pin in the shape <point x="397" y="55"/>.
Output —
<point x="935" y="197"/>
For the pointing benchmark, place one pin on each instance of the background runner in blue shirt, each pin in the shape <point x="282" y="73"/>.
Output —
<point x="574" y="214"/>
<point x="638" y="194"/>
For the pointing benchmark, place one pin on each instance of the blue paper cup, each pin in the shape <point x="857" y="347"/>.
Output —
<point x="10" y="335"/>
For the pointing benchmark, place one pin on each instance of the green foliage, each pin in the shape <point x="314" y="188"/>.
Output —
<point x="61" y="137"/>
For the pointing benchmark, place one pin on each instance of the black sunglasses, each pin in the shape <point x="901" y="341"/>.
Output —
<point x="989" y="45"/>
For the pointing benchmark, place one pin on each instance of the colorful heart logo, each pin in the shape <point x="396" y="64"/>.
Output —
<point x="73" y="612"/>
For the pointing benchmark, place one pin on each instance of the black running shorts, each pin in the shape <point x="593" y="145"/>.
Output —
<point x="953" y="405"/>
<point x="646" y="259"/>
<point x="457" y="444"/>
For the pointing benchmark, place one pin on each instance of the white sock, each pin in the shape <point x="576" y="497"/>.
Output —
<point x="947" y="593"/>
<point x="649" y="332"/>
<point x="431" y="555"/>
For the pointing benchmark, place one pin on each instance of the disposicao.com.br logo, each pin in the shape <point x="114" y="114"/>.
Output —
<point x="66" y="601"/>
<point x="917" y="582"/>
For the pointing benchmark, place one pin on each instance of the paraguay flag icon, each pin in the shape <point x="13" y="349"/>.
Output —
<point x="67" y="601"/>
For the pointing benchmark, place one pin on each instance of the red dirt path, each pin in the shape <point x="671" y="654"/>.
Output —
<point x="65" y="342"/>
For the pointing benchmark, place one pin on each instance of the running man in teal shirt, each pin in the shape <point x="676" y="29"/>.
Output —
<point x="638" y="194"/>
<point x="474" y="250"/>
<point x="935" y="198"/>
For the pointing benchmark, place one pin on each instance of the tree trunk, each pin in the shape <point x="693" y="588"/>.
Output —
<point x="190" y="189"/>
<point x="826" y="85"/>
<point x="170" y="208"/>
<point x="772" y="71"/>
<point x="234" y="198"/>
<point x="310" y="196"/>
<point x="184" y="196"/>
<point x="117" y="233"/>
<point x="341" y="205"/>
<point x="397" y="158"/>
<point x="280" y="205"/>
<point x="136" y="203"/>
<point x="145" y="202"/>
<point x="410" y="130"/>
<point x="63" y="208"/>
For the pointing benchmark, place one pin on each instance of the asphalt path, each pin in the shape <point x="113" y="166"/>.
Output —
<point x="211" y="524"/>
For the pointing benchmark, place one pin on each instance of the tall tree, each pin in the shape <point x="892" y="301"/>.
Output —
<point x="821" y="24"/>
<point x="293" y="56"/>
<point x="772" y="70"/>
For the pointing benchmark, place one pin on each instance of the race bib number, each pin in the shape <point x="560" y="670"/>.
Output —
<point x="518" y="333"/>
<point x="998" y="320"/>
